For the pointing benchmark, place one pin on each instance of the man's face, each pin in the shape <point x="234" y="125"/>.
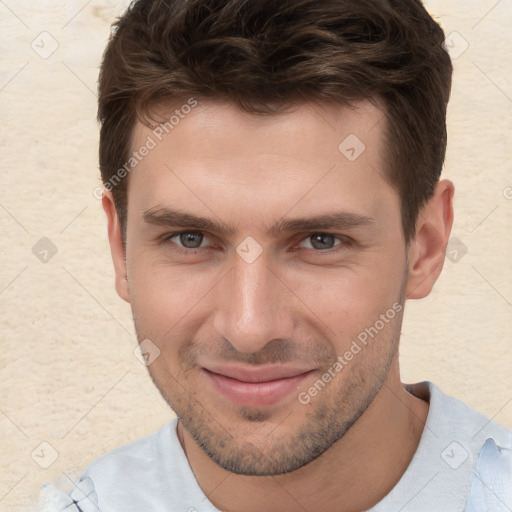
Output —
<point x="252" y="309"/>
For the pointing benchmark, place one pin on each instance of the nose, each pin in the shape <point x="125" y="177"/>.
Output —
<point x="253" y="306"/>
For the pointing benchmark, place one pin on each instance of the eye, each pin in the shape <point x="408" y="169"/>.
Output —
<point x="186" y="239"/>
<point x="324" y="241"/>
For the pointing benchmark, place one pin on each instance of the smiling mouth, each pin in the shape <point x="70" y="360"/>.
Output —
<point x="257" y="387"/>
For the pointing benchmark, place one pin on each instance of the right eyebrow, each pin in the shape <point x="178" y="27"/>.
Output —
<point x="176" y="218"/>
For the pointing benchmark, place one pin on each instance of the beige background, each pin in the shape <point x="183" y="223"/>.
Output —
<point x="68" y="374"/>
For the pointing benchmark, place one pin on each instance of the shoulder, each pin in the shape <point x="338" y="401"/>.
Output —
<point x="442" y="473"/>
<point x="142" y="475"/>
<point x="478" y="449"/>
<point x="151" y="473"/>
<point x="140" y="454"/>
<point x="453" y="419"/>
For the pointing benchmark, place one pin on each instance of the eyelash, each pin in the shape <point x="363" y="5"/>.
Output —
<point x="344" y="242"/>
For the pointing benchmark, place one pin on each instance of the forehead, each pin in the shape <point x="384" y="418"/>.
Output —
<point x="189" y="123"/>
<point x="212" y="153"/>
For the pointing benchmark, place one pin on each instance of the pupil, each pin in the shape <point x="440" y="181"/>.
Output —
<point x="191" y="240"/>
<point x="322" y="241"/>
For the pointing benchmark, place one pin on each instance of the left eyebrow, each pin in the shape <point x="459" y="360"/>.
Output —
<point x="178" y="218"/>
<point x="335" y="220"/>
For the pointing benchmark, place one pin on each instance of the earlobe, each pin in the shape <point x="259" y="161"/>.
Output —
<point x="426" y="252"/>
<point x="116" y="246"/>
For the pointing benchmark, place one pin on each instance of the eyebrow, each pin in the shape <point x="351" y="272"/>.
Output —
<point x="179" y="219"/>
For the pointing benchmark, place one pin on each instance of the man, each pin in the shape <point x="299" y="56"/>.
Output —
<point x="273" y="198"/>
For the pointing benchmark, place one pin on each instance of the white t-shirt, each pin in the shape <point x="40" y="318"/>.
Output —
<point x="463" y="463"/>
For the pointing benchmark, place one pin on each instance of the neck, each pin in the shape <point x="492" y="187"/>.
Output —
<point x="354" y="474"/>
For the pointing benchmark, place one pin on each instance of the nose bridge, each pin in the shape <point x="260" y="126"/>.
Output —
<point x="251" y="311"/>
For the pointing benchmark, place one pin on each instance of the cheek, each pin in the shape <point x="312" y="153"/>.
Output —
<point x="348" y="301"/>
<point x="165" y="298"/>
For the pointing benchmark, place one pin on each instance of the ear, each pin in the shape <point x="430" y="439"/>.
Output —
<point x="116" y="246"/>
<point x="426" y="252"/>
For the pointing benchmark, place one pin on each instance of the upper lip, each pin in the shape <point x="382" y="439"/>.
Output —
<point x="256" y="373"/>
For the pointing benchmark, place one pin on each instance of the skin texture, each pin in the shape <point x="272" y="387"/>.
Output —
<point x="301" y="303"/>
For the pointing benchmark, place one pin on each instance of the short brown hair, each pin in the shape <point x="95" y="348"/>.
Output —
<point x="265" y="55"/>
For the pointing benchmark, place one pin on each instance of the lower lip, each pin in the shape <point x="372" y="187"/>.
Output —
<point x="255" y="394"/>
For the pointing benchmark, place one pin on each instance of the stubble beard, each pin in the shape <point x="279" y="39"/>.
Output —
<point x="322" y="422"/>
